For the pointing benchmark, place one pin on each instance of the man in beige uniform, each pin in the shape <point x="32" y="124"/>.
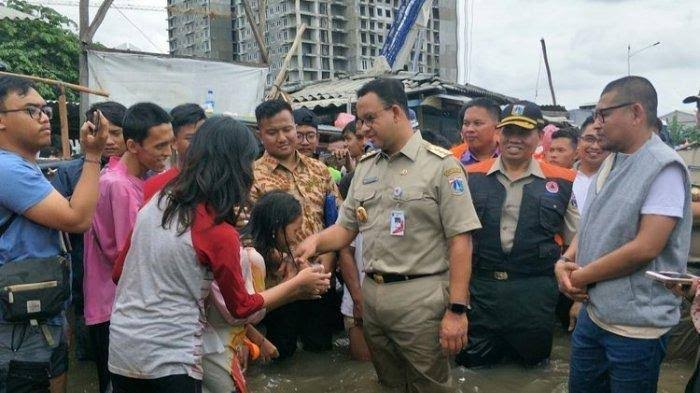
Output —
<point x="410" y="200"/>
<point x="525" y="206"/>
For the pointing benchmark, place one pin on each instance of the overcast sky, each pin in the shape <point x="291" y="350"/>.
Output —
<point x="586" y="44"/>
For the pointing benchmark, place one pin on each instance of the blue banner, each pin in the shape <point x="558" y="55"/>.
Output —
<point x="404" y="19"/>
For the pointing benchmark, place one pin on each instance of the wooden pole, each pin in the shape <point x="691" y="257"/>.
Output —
<point x="83" y="26"/>
<point x="256" y="32"/>
<point x="262" y="15"/>
<point x="54" y="82"/>
<point x="63" y="115"/>
<point x="99" y="17"/>
<point x="282" y="74"/>
<point x="549" y="73"/>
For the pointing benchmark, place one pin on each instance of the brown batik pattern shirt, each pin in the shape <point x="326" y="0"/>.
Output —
<point x="309" y="182"/>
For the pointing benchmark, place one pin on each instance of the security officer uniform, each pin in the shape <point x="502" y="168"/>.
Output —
<point x="407" y="206"/>
<point x="513" y="289"/>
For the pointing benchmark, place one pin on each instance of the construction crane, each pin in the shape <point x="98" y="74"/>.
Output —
<point x="172" y="9"/>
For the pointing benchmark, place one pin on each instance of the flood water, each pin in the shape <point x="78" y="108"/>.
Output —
<point x="335" y="372"/>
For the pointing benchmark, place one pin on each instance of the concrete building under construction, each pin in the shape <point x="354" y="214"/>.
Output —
<point x="342" y="37"/>
<point x="200" y="28"/>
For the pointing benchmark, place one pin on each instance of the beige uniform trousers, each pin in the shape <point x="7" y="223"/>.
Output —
<point x="401" y="325"/>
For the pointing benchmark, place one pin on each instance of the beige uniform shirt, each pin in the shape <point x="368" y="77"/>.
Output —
<point x="427" y="187"/>
<point x="514" y="196"/>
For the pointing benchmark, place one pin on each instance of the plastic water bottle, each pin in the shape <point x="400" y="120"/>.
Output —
<point x="209" y="103"/>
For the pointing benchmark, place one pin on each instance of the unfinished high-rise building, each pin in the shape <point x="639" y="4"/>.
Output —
<point x="200" y="28"/>
<point x="342" y="36"/>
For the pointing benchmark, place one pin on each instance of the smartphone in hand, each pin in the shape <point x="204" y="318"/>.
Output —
<point x="95" y="121"/>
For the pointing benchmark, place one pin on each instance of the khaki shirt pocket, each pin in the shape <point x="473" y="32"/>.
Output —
<point x="368" y="199"/>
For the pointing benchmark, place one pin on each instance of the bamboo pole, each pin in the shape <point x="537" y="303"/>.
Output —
<point x="63" y="114"/>
<point x="84" y="26"/>
<point x="262" y="15"/>
<point x="256" y="32"/>
<point x="99" y="17"/>
<point x="71" y="86"/>
<point x="282" y="74"/>
<point x="549" y="73"/>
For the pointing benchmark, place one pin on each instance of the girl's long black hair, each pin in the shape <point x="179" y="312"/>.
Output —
<point x="217" y="171"/>
<point x="272" y="213"/>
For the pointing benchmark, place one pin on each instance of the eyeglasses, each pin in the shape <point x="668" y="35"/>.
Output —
<point x="309" y="136"/>
<point x="601" y="113"/>
<point x="34" y="111"/>
<point x="590" y="139"/>
<point x="369" y="119"/>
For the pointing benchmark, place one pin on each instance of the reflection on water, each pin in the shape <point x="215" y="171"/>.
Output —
<point x="334" y="372"/>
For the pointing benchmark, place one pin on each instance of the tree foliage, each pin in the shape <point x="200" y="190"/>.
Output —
<point x="47" y="47"/>
<point x="681" y="134"/>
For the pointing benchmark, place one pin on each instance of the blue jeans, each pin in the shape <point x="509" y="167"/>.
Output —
<point x="602" y="361"/>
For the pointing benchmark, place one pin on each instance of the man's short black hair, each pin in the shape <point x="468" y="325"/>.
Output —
<point x="489" y="105"/>
<point x="350" y="128"/>
<point x="390" y="91"/>
<point x="270" y="108"/>
<point x="13" y="84"/>
<point x="570" y="133"/>
<point x="186" y="114"/>
<point x="336" y="138"/>
<point x="139" y="118"/>
<point x="113" y="111"/>
<point x="588" y="122"/>
<point x="635" y="89"/>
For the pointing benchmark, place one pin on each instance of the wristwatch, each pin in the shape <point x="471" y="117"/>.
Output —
<point x="458" y="308"/>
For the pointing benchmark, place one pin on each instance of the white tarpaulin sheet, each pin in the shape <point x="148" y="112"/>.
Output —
<point x="169" y="81"/>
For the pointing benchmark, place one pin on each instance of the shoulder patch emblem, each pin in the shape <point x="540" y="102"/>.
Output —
<point x="453" y="171"/>
<point x="370" y="154"/>
<point x="457" y="186"/>
<point x="438" y="151"/>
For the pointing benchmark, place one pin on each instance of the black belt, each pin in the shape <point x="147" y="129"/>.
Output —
<point x="502" y="275"/>
<point x="385" y="278"/>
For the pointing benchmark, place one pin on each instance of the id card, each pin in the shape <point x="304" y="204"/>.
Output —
<point x="397" y="225"/>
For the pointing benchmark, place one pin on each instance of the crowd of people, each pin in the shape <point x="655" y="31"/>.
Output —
<point x="195" y="245"/>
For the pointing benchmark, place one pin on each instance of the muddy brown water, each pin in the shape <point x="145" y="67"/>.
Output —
<point x="335" y="372"/>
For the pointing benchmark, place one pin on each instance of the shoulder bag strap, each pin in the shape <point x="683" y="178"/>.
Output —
<point x="6" y="225"/>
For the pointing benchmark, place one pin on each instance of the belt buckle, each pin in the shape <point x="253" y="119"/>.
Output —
<point x="378" y="278"/>
<point x="501" y="276"/>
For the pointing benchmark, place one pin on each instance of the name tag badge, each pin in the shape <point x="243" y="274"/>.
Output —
<point x="397" y="226"/>
<point x="370" y="180"/>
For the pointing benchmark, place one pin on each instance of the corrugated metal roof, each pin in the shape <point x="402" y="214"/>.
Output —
<point x="338" y="92"/>
<point x="13" y="14"/>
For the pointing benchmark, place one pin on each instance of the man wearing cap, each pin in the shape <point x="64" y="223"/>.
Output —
<point x="696" y="100"/>
<point x="527" y="215"/>
<point x="411" y="203"/>
<point x="308" y="137"/>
